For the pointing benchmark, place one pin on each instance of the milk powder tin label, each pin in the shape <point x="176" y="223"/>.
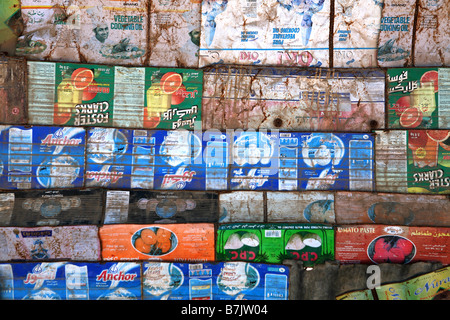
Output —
<point x="394" y="244"/>
<point x="293" y="99"/>
<point x="51" y="207"/>
<point x="100" y="95"/>
<point x="160" y="207"/>
<point x="42" y="157"/>
<point x="50" y="243"/>
<point x="171" y="242"/>
<point x="265" y="32"/>
<point x="414" y="161"/>
<point x="72" y="281"/>
<point x="418" y="98"/>
<point x="215" y="281"/>
<point x="272" y="243"/>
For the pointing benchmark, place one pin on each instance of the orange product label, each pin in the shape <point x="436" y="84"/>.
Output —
<point x="162" y="242"/>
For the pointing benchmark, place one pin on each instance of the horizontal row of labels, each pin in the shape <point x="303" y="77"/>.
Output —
<point x="364" y="34"/>
<point x="46" y="157"/>
<point x="224" y="97"/>
<point x="309" y="243"/>
<point x="98" y="206"/>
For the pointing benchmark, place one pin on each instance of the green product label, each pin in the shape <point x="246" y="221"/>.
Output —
<point x="428" y="155"/>
<point x="172" y="98"/>
<point x="84" y="95"/>
<point x="413" y="98"/>
<point x="273" y="243"/>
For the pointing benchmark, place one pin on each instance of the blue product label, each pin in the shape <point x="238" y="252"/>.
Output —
<point x="42" y="157"/>
<point x="214" y="281"/>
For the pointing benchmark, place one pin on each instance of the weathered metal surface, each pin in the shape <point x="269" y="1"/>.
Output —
<point x="431" y="35"/>
<point x="171" y="242"/>
<point x="41" y="157"/>
<point x="100" y="95"/>
<point x="395" y="244"/>
<point x="395" y="43"/>
<point x="392" y="209"/>
<point x="355" y="35"/>
<point x="293" y="99"/>
<point x="242" y="206"/>
<point x="215" y="281"/>
<point x="145" y="207"/>
<point x="13" y="84"/>
<point x="70" y="281"/>
<point x="174" y="34"/>
<point x="106" y="32"/>
<point x="275" y="242"/>
<point x="418" y="98"/>
<point x="422" y="287"/>
<point x="328" y="280"/>
<point x="267" y="32"/>
<point x="50" y="243"/>
<point x="11" y="25"/>
<point x="51" y="208"/>
<point x="414" y="161"/>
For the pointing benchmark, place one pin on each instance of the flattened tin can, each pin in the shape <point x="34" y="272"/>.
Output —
<point x="105" y="32"/>
<point x="192" y="242"/>
<point x="266" y="32"/>
<point x="42" y="157"/>
<point x="100" y="95"/>
<point x="242" y="206"/>
<point x="13" y="84"/>
<point x="73" y="281"/>
<point x="175" y="33"/>
<point x="51" y="208"/>
<point x="355" y="35"/>
<point x="49" y="243"/>
<point x="396" y="33"/>
<point x="293" y="99"/>
<point x="418" y="98"/>
<point x="161" y="207"/>
<point x="275" y="242"/>
<point x="392" y="209"/>
<point x="431" y="36"/>
<point x="391" y="243"/>
<point x="413" y="161"/>
<point x="215" y="281"/>
<point x="11" y="25"/>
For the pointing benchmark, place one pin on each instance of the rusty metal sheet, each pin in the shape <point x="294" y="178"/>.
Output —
<point x="419" y="98"/>
<point x="413" y="161"/>
<point x="392" y="209"/>
<point x="375" y="243"/>
<point x="161" y="207"/>
<point x="395" y="43"/>
<point x="51" y="208"/>
<point x="355" y="34"/>
<point x="238" y="97"/>
<point x="71" y="281"/>
<point x="242" y="206"/>
<point x="174" y="34"/>
<point x="274" y="242"/>
<point x="431" y="37"/>
<point x="215" y="281"/>
<point x="328" y="280"/>
<point x="267" y="32"/>
<point x="182" y="242"/>
<point x="38" y="157"/>
<point x="301" y="207"/>
<point x="106" y="32"/>
<point x="11" y="25"/>
<point x="417" y="288"/>
<point x="49" y="243"/>
<point x="101" y="95"/>
<point x="13" y="84"/>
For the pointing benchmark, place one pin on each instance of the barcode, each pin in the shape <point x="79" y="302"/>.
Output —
<point x="273" y="233"/>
